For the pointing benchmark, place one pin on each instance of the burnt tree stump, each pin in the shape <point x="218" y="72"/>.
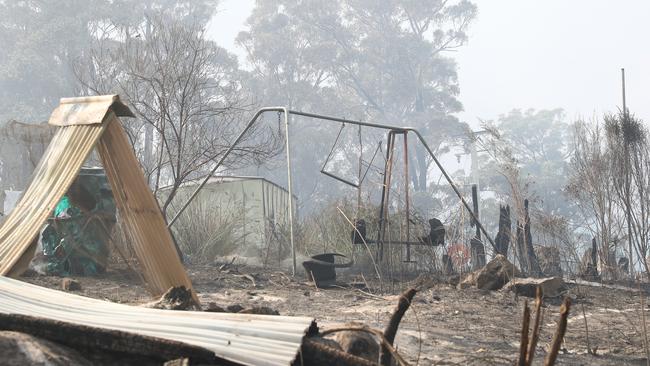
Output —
<point x="502" y="240"/>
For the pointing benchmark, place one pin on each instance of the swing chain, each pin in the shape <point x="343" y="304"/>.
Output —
<point x="329" y="156"/>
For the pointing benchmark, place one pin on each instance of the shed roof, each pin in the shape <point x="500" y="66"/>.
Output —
<point x="218" y="179"/>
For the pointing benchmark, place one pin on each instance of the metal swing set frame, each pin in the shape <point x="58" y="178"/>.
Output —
<point x="392" y="132"/>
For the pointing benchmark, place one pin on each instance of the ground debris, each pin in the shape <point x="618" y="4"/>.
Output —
<point x="69" y="284"/>
<point x="23" y="349"/>
<point x="214" y="308"/>
<point x="358" y="344"/>
<point x="178" y="362"/>
<point x="259" y="310"/>
<point x="493" y="276"/>
<point x="551" y="286"/>
<point x="469" y="280"/>
<point x="451" y="327"/>
<point x="176" y="298"/>
<point x="234" y="308"/>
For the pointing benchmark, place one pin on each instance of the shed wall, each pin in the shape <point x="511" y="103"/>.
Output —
<point x="257" y="208"/>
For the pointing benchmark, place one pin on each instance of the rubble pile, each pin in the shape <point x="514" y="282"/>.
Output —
<point x="499" y="274"/>
<point x="493" y="276"/>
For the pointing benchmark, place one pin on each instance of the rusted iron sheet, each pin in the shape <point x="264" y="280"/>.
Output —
<point x="241" y="338"/>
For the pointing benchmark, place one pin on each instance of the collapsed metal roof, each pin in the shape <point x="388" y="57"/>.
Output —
<point x="241" y="338"/>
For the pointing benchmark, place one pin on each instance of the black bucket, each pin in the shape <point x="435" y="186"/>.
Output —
<point x="321" y="269"/>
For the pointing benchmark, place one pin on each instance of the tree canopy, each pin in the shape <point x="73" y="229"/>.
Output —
<point x="383" y="61"/>
<point x="41" y="39"/>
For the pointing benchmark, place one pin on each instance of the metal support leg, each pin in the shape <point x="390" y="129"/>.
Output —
<point x="406" y="196"/>
<point x="290" y="188"/>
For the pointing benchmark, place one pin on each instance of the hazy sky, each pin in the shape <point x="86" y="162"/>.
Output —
<point x="535" y="54"/>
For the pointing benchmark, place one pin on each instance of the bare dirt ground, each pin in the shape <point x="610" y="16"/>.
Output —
<point x="444" y="326"/>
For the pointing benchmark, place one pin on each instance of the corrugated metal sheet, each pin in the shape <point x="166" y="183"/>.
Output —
<point x="140" y="213"/>
<point x="241" y="338"/>
<point x="88" y="122"/>
<point x="51" y="179"/>
<point x="87" y="110"/>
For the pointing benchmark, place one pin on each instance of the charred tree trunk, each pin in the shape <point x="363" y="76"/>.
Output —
<point x="447" y="265"/>
<point x="521" y="248"/>
<point x="478" y="253"/>
<point x="533" y="263"/>
<point x="594" y="254"/>
<point x="503" y="236"/>
<point x="477" y="248"/>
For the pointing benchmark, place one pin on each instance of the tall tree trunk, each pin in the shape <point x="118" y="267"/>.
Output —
<point x="420" y="154"/>
<point x="420" y="176"/>
<point x="521" y="248"/>
<point x="503" y="236"/>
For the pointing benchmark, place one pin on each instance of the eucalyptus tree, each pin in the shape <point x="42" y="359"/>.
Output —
<point x="38" y="39"/>
<point x="384" y="61"/>
<point x="540" y="144"/>
<point x="41" y="39"/>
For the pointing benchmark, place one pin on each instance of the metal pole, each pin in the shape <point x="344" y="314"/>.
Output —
<point x="627" y="179"/>
<point x="290" y="187"/>
<point x="360" y="177"/>
<point x="406" y="196"/>
<point x="385" y="192"/>
<point x="453" y="186"/>
<point x="343" y="120"/>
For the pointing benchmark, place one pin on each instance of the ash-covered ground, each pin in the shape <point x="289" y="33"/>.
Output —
<point x="444" y="325"/>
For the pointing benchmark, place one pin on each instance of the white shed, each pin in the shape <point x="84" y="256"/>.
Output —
<point x="254" y="209"/>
